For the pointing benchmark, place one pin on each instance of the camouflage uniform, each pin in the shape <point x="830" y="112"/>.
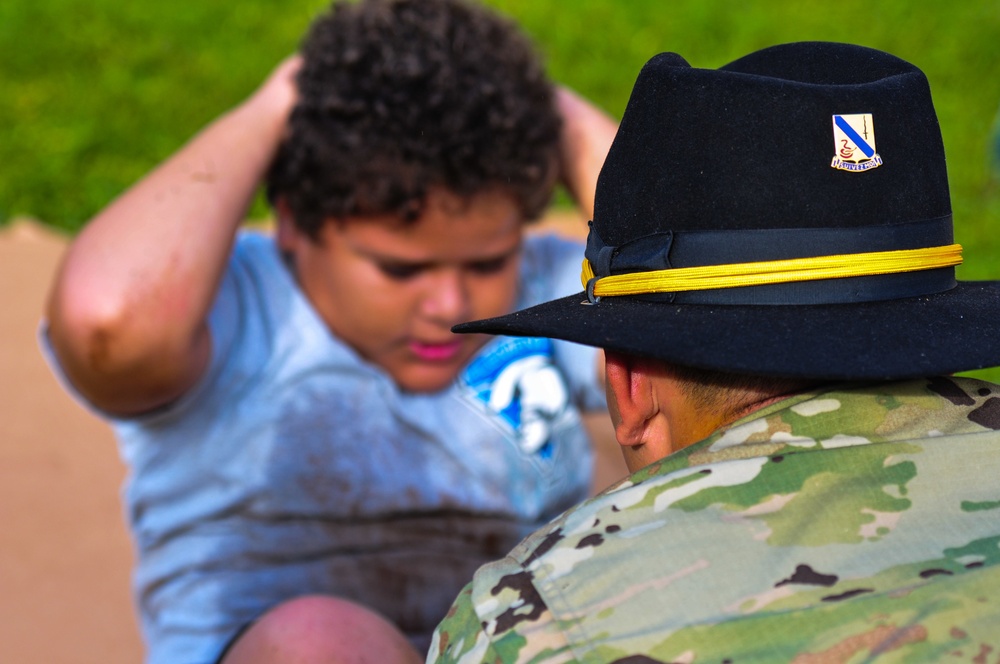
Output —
<point x="841" y="525"/>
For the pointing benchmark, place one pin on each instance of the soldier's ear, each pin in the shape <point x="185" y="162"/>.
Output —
<point x="631" y="400"/>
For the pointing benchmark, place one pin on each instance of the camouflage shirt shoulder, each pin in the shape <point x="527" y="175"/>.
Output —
<point x="861" y="518"/>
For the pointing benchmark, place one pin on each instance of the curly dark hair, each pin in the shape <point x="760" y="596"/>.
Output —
<point x="397" y="96"/>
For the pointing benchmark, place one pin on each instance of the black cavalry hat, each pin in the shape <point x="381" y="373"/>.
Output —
<point x="786" y="214"/>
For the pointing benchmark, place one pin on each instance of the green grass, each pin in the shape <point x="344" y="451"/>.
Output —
<point x="96" y="92"/>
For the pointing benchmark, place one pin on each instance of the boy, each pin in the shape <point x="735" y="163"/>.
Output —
<point x="315" y="460"/>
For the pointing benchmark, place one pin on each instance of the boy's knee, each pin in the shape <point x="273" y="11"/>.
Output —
<point x="321" y="629"/>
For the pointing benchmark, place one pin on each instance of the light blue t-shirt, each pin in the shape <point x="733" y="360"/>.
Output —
<point x="296" y="467"/>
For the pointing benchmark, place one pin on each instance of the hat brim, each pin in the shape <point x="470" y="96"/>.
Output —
<point x="930" y="335"/>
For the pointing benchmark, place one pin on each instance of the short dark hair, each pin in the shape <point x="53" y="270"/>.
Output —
<point x="730" y="394"/>
<point x="398" y="96"/>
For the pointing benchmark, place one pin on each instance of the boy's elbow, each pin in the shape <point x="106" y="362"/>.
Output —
<point x="86" y="333"/>
<point x="120" y="364"/>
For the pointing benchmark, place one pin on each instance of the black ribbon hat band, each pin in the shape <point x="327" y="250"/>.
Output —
<point x="673" y="250"/>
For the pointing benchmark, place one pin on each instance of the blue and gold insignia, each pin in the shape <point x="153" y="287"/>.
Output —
<point x="854" y="143"/>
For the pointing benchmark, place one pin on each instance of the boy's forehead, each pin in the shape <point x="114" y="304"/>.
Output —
<point x="442" y="208"/>
<point x="485" y="224"/>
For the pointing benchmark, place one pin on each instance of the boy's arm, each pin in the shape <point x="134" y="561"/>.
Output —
<point x="127" y="311"/>
<point x="586" y="138"/>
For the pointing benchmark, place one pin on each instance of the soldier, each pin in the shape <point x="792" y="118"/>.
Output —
<point x="770" y="270"/>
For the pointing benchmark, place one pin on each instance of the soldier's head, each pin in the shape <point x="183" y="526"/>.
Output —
<point x="780" y="221"/>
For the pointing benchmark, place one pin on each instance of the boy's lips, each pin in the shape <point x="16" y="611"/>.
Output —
<point x="436" y="352"/>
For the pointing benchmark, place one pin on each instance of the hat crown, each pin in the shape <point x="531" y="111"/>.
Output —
<point x="749" y="145"/>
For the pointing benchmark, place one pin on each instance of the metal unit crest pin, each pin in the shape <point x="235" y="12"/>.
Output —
<point x="854" y="143"/>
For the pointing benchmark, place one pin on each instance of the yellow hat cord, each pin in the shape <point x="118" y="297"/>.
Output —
<point x="737" y="275"/>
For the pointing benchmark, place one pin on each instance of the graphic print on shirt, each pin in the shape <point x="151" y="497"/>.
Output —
<point x="516" y="379"/>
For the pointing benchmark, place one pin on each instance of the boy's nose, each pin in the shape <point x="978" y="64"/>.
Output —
<point x="446" y="298"/>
